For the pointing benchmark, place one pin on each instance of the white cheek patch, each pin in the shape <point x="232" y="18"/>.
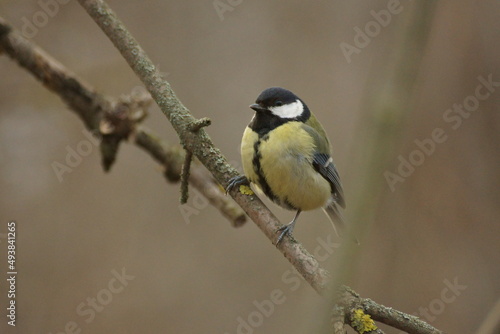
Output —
<point x="290" y="110"/>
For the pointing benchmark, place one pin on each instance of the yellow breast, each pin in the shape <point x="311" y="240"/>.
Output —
<point x="283" y="160"/>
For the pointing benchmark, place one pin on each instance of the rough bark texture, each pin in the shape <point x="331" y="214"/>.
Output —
<point x="81" y="98"/>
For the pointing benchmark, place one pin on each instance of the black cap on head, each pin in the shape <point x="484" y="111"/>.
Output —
<point x="274" y="96"/>
<point x="276" y="106"/>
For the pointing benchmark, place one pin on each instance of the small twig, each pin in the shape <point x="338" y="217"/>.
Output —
<point x="169" y="156"/>
<point x="397" y="319"/>
<point x="90" y="106"/>
<point x="212" y="190"/>
<point x="199" y="123"/>
<point x="119" y="123"/>
<point x="96" y="109"/>
<point x="185" y="176"/>
<point x="350" y="300"/>
<point x="199" y="142"/>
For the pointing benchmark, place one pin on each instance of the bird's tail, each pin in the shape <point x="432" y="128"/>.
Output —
<point x="337" y="220"/>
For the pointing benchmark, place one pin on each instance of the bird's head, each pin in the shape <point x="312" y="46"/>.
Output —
<point x="281" y="103"/>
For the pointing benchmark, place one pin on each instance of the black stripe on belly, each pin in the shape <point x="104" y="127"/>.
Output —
<point x="257" y="168"/>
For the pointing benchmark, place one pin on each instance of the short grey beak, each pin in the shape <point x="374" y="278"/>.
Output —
<point x="257" y="107"/>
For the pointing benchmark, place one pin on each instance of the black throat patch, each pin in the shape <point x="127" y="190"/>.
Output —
<point x="265" y="121"/>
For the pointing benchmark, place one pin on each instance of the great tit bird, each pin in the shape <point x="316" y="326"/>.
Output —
<point x="286" y="153"/>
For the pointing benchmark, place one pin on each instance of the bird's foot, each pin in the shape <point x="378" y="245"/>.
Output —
<point x="236" y="181"/>
<point x="285" y="230"/>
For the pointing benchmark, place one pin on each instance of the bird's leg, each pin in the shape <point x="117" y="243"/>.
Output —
<point x="288" y="228"/>
<point x="236" y="181"/>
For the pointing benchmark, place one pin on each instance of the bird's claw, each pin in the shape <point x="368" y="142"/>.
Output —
<point x="236" y="181"/>
<point x="284" y="230"/>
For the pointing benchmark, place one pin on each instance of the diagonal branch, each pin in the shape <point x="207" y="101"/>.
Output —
<point x="93" y="108"/>
<point x="349" y="301"/>
<point x="200" y="144"/>
<point x="195" y="139"/>
<point x="103" y="115"/>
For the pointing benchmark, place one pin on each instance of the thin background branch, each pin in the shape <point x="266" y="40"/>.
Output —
<point x="491" y="323"/>
<point x="97" y="111"/>
<point x="194" y="139"/>
<point x="198" y="142"/>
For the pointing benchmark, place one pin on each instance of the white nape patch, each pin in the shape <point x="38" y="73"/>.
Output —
<point x="290" y="110"/>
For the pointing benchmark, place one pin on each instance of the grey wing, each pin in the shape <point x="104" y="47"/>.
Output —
<point x="323" y="163"/>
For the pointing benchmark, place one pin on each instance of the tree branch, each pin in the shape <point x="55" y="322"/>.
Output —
<point x="97" y="113"/>
<point x="113" y="120"/>
<point x="349" y="300"/>
<point x="198" y="142"/>
<point x="186" y="170"/>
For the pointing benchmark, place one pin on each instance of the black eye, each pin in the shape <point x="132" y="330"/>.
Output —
<point x="278" y="103"/>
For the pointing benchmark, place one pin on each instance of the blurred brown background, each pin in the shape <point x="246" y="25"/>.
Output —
<point x="430" y="247"/>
